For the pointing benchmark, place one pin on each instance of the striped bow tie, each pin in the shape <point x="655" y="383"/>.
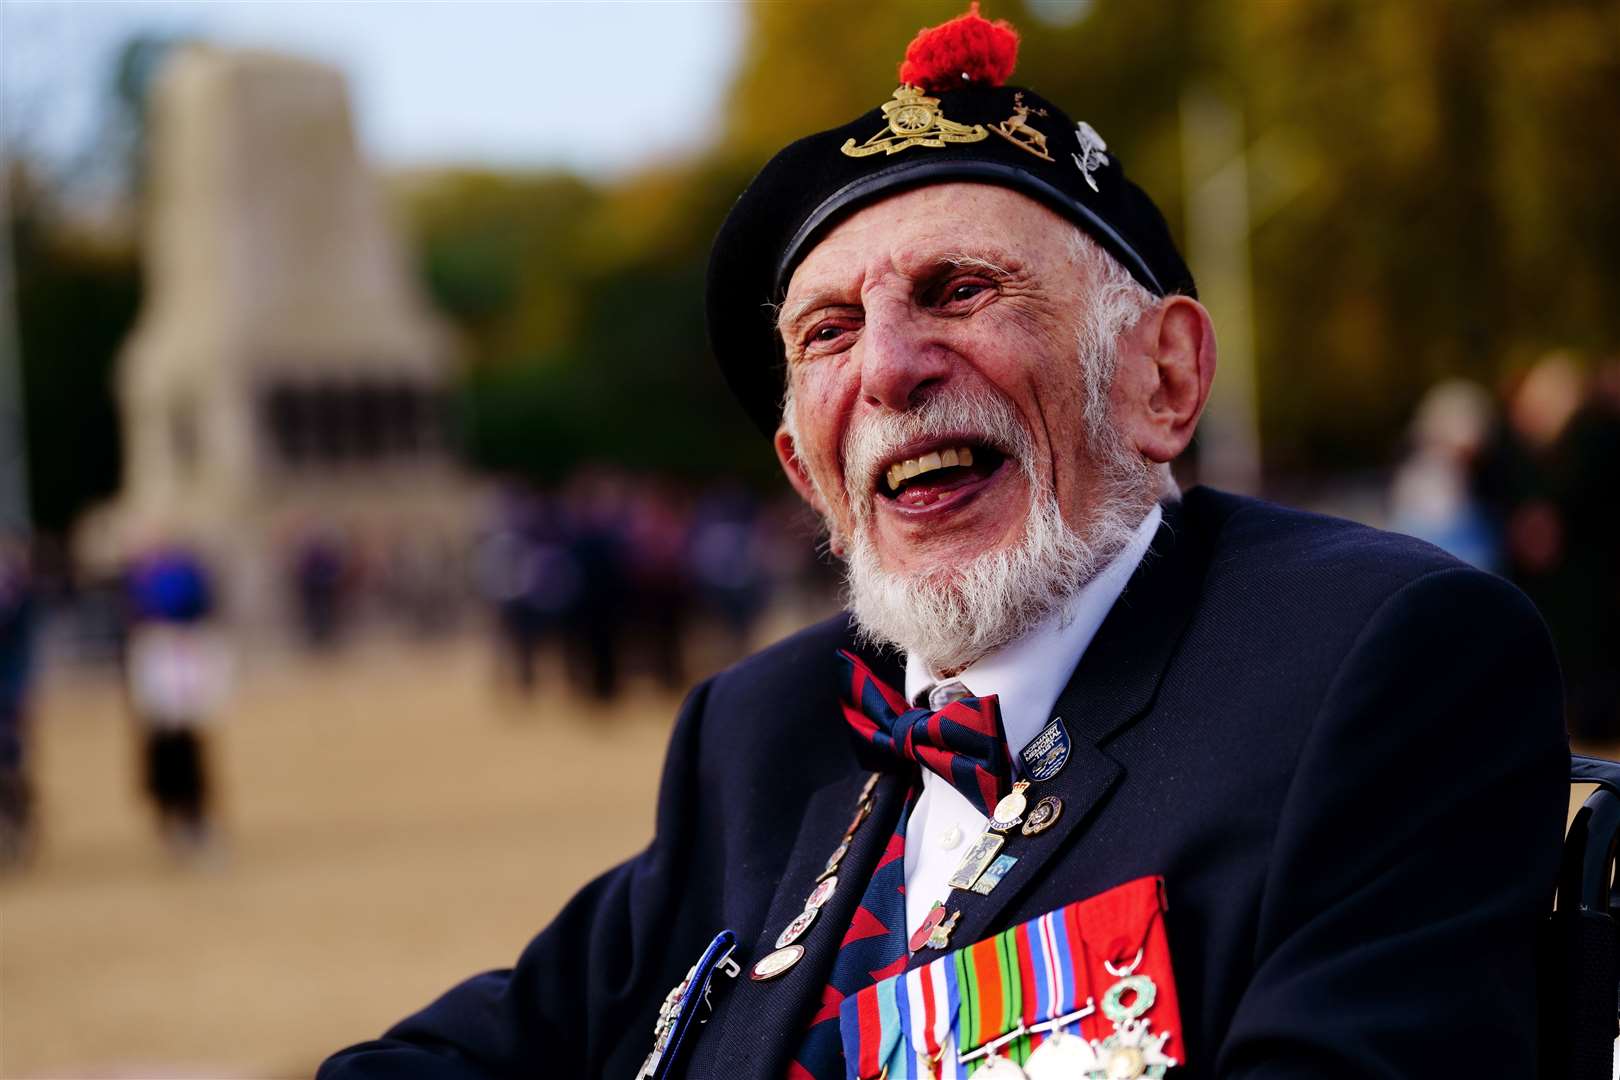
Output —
<point x="963" y="742"/>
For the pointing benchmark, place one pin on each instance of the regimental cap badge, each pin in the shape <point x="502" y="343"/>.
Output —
<point x="914" y="120"/>
<point x="1091" y="156"/>
<point x="1017" y="129"/>
<point x="969" y="50"/>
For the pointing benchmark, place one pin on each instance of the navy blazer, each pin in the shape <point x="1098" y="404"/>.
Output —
<point x="1341" y="748"/>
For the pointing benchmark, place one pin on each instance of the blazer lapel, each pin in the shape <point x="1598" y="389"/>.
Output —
<point x="1112" y="686"/>
<point x="765" y="1021"/>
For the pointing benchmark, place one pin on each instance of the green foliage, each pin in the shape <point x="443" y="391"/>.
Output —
<point x="76" y="301"/>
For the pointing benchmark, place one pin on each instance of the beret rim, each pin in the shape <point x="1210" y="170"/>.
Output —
<point x="902" y="176"/>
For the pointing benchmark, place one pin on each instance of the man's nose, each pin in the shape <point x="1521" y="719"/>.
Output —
<point x="902" y="359"/>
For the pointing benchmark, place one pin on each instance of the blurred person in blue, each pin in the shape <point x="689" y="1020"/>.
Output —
<point x="321" y="574"/>
<point x="660" y="587"/>
<point x="525" y="569"/>
<point x="728" y="561"/>
<point x="1095" y="778"/>
<point x="178" y="673"/>
<point x="1432" y="495"/>
<point x="597" y="510"/>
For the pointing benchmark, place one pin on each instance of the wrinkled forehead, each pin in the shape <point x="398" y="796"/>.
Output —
<point x="913" y="231"/>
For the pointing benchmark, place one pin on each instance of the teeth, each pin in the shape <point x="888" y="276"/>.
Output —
<point x="902" y="471"/>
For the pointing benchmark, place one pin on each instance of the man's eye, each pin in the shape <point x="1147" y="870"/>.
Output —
<point x="962" y="291"/>
<point x="825" y="334"/>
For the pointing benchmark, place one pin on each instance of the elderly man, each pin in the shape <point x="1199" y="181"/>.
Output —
<point x="1093" y="779"/>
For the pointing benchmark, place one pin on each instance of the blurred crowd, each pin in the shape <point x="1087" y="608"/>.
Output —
<point x="621" y="574"/>
<point x="618" y="578"/>
<point x="1522" y="483"/>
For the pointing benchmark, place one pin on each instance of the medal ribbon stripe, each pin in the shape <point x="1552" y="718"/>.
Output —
<point x="1037" y="977"/>
<point x="892" y="1016"/>
<point x="951" y="969"/>
<point x="967" y="1011"/>
<point x="1013" y="979"/>
<point x="983" y="961"/>
<point x="1080" y="963"/>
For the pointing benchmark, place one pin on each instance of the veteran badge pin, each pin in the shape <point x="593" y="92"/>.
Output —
<point x="1010" y="810"/>
<point x="1043" y="815"/>
<point x="975" y="859"/>
<point x="1047" y="752"/>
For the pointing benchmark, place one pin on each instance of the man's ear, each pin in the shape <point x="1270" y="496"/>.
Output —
<point x="797" y="474"/>
<point x="1167" y="384"/>
<point x="799" y="477"/>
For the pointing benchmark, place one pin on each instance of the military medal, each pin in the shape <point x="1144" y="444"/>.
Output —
<point x="1010" y="810"/>
<point x="822" y="892"/>
<point x="795" y="929"/>
<point x="1043" y="815"/>
<point x="773" y="964"/>
<point x="975" y="859"/>
<point x="833" y="860"/>
<point x="999" y="1068"/>
<point x="1062" y="1057"/>
<point x="788" y="951"/>
<point x="1131" y="1050"/>
<point x="935" y="916"/>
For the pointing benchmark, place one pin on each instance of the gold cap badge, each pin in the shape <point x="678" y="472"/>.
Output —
<point x="914" y="120"/>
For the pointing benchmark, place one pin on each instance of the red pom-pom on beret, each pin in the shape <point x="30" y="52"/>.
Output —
<point x="969" y="49"/>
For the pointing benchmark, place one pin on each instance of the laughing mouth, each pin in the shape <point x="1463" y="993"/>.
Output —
<point x="938" y="472"/>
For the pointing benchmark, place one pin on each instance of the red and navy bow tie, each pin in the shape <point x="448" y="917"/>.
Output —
<point x="964" y="742"/>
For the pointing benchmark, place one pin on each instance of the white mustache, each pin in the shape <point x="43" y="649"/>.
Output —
<point x="986" y="418"/>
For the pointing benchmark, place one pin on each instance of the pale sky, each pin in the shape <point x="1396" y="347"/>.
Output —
<point x="600" y="87"/>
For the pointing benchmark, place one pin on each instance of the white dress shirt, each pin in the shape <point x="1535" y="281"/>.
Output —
<point x="1026" y="676"/>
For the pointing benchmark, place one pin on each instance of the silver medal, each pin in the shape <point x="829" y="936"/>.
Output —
<point x="795" y="929"/>
<point x="999" y="1068"/>
<point x="1062" y="1057"/>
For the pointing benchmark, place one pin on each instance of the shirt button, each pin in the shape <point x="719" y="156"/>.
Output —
<point x="952" y="837"/>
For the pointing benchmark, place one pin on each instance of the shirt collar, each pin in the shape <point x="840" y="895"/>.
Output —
<point x="1027" y="675"/>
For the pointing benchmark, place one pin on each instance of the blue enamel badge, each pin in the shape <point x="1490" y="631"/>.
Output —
<point x="1047" y="752"/>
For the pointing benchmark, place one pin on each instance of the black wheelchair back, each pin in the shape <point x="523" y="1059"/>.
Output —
<point x="1580" y="946"/>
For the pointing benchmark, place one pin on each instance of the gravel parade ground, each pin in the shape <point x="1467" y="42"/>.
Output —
<point x="391" y="823"/>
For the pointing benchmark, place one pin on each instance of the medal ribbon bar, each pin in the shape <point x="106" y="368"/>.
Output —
<point x="1008" y="995"/>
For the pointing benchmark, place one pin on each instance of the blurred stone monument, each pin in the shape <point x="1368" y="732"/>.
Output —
<point x="285" y="378"/>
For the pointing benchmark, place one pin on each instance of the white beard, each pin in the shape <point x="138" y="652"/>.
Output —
<point x="953" y="615"/>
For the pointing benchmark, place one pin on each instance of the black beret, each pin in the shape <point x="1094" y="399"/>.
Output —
<point x="978" y="133"/>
